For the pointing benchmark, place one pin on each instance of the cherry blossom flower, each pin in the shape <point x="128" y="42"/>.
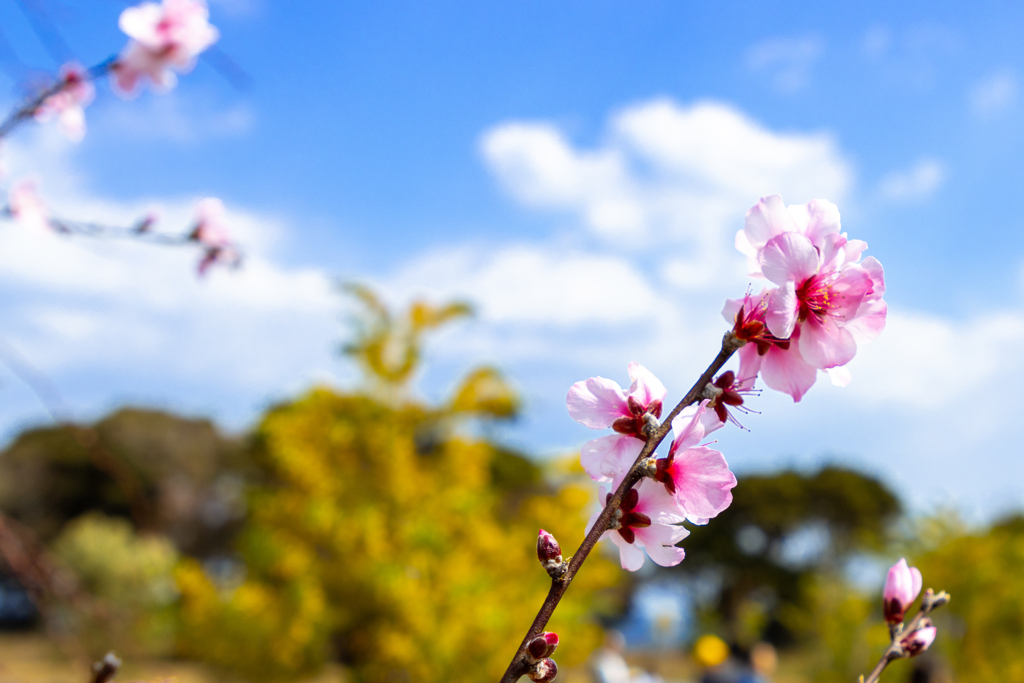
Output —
<point x="778" y="361"/>
<point x="164" y="37"/>
<point x="212" y="234"/>
<point x="26" y="206"/>
<point x="902" y="586"/>
<point x="601" y="403"/>
<point x="67" y="104"/>
<point x="647" y="519"/>
<point x="698" y="477"/>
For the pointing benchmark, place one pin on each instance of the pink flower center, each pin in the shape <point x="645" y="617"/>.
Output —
<point x="750" y="327"/>
<point x="627" y="518"/>
<point x="816" y="297"/>
<point x="634" y="423"/>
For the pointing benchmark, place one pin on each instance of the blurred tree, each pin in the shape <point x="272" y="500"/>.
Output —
<point x="386" y="534"/>
<point x="981" y="631"/>
<point x="186" y="476"/>
<point x="761" y="553"/>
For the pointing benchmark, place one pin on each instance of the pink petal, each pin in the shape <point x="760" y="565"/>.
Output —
<point x="688" y="431"/>
<point x="848" y="291"/>
<point x="630" y="555"/>
<point x="659" y="540"/>
<point x="703" y="481"/>
<point x="646" y="388"/>
<point x="869" y="321"/>
<point x="789" y="258"/>
<point x="750" y="362"/>
<point x="787" y="372"/>
<point x="610" y="457"/>
<point x="839" y="375"/>
<point x="783" y="309"/>
<point x="597" y="402"/>
<point x="826" y="345"/>
<point x="766" y="219"/>
<point x="875" y="270"/>
<point x="657" y="503"/>
<point x="822" y="219"/>
<point x="916" y="582"/>
<point x="744" y="246"/>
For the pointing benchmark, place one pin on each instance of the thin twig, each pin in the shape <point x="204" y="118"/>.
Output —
<point x="520" y="664"/>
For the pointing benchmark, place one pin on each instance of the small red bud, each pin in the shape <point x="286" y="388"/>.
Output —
<point x="543" y="645"/>
<point x="548" y="548"/>
<point x="543" y="671"/>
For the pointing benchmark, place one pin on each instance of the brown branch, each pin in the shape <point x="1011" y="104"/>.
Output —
<point x="929" y="602"/>
<point x="520" y="664"/>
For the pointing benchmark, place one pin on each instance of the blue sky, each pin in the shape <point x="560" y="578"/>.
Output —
<point x="576" y="169"/>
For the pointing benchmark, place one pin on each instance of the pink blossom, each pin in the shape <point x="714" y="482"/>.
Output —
<point x="771" y="217"/>
<point x="601" y="403"/>
<point x="67" y="104"/>
<point x="902" y="586"/>
<point x="647" y="519"/>
<point x="698" y="477"/>
<point x="27" y="207"/>
<point x="777" y="360"/>
<point x="165" y="36"/>
<point x="212" y="233"/>
<point x="918" y="640"/>
<point x="837" y="300"/>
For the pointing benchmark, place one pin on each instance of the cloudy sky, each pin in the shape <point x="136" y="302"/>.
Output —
<point x="578" y="171"/>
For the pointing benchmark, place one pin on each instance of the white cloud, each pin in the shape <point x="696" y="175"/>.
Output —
<point x="916" y="183"/>
<point x="666" y="175"/>
<point x="993" y="94"/>
<point x="787" y="62"/>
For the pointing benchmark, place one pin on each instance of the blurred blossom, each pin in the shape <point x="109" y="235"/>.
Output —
<point x="26" y="206"/>
<point x="68" y="103"/>
<point x="164" y="37"/>
<point x="211" y="232"/>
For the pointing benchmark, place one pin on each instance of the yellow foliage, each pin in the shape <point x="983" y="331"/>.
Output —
<point x="392" y="549"/>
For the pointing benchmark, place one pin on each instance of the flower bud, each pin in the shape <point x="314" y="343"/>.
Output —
<point x="918" y="640"/>
<point x="548" y="548"/>
<point x="543" y="645"/>
<point x="543" y="671"/>
<point x="901" y="589"/>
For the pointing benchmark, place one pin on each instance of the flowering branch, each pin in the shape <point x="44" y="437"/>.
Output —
<point x="69" y="79"/>
<point x="561" y="577"/>
<point x="901" y="588"/>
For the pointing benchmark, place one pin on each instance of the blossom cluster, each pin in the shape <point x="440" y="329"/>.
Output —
<point x="824" y="301"/>
<point x="164" y="38"/>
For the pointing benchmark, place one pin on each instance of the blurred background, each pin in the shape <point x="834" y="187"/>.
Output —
<point x="332" y="463"/>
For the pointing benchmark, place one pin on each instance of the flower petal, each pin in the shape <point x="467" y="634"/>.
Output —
<point x="703" y="481"/>
<point x="826" y="345"/>
<point x="766" y="219"/>
<point x="659" y="540"/>
<point x="786" y="371"/>
<point x="789" y="257"/>
<point x="630" y="555"/>
<point x="610" y="457"/>
<point x="783" y="309"/>
<point x="596" y="402"/>
<point x="839" y="375"/>
<point x="646" y="388"/>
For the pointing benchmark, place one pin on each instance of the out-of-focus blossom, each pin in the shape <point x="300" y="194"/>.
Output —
<point x="163" y="37"/>
<point x="902" y="586"/>
<point x="26" y="207"/>
<point x="211" y="233"/>
<point x="918" y="640"/>
<point x="698" y="477"/>
<point x="647" y="519"/>
<point x="601" y="403"/>
<point x="67" y="105"/>
<point x="778" y="361"/>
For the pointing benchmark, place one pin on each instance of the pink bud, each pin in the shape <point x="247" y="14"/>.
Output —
<point x="919" y="640"/>
<point x="543" y="671"/>
<point x="548" y="548"/>
<point x="901" y="589"/>
<point x="543" y="645"/>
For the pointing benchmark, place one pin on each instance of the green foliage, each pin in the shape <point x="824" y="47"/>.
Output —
<point x="746" y="545"/>
<point x="131" y="576"/>
<point x="981" y="630"/>
<point x="388" y="539"/>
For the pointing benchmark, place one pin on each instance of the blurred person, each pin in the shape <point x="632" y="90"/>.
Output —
<point x="711" y="653"/>
<point x="763" y="662"/>
<point x="608" y="665"/>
